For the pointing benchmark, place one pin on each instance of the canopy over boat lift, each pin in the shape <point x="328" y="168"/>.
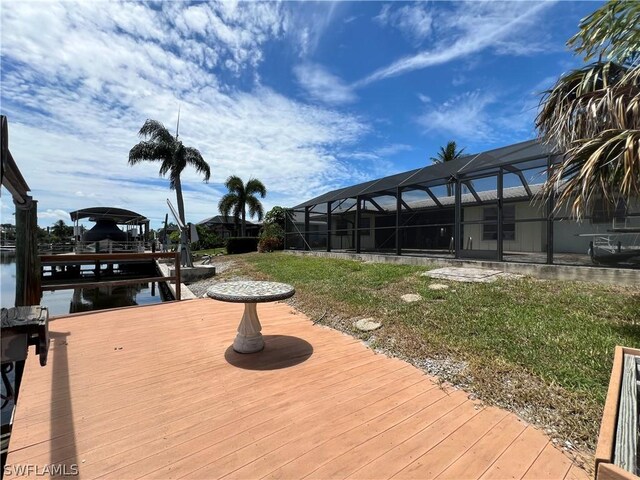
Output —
<point x="136" y="228"/>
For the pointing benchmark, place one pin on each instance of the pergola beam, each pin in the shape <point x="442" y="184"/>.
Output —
<point x="518" y="172"/>
<point x="375" y="204"/>
<point x="473" y="191"/>
<point x="429" y="192"/>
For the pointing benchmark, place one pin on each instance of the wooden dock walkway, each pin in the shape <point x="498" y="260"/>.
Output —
<point x="157" y="392"/>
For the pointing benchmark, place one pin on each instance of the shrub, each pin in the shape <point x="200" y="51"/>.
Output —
<point x="271" y="238"/>
<point x="242" y="244"/>
<point x="269" y="244"/>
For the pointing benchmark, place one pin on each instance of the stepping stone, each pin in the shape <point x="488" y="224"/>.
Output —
<point x="438" y="286"/>
<point x="367" y="324"/>
<point x="411" y="297"/>
<point x="466" y="274"/>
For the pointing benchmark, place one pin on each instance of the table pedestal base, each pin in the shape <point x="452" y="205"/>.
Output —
<point x="249" y="339"/>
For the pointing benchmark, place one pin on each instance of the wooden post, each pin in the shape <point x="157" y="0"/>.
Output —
<point x="177" y="275"/>
<point x="27" y="260"/>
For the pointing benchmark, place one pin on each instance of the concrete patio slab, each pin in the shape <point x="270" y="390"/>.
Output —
<point x="465" y="274"/>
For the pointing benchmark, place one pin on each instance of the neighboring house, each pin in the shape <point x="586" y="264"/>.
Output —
<point x="427" y="220"/>
<point x="226" y="227"/>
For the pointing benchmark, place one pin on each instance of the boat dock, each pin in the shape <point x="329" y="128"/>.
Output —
<point x="158" y="392"/>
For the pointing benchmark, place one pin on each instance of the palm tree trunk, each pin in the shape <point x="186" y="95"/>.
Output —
<point x="185" y="247"/>
<point x="244" y="223"/>
<point x="180" y="199"/>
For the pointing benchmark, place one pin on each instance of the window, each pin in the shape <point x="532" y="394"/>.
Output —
<point x="604" y="212"/>
<point x="490" y="230"/>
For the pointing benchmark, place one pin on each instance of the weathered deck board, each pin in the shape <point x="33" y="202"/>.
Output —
<point x="156" y="392"/>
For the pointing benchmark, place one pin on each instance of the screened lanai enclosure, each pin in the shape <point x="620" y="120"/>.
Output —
<point x="485" y="206"/>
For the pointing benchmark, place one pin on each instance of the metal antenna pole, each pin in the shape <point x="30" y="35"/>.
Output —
<point x="178" y="124"/>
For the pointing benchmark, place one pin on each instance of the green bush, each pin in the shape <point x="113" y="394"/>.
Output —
<point x="271" y="237"/>
<point x="242" y="245"/>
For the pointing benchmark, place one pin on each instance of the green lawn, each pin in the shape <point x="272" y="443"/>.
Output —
<point x="542" y="348"/>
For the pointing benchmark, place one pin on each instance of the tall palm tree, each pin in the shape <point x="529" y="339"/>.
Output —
<point x="446" y="154"/>
<point x="592" y="114"/>
<point x="160" y="146"/>
<point x="240" y="197"/>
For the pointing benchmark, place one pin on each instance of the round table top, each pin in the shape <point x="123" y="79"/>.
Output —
<point x="250" y="291"/>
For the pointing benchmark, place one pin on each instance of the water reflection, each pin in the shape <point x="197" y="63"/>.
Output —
<point x="88" y="299"/>
<point x="62" y="302"/>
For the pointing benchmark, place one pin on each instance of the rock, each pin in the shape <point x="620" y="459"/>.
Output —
<point x="411" y="297"/>
<point x="438" y="286"/>
<point x="367" y="324"/>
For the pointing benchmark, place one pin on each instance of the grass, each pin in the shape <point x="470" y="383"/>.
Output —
<point x="541" y="348"/>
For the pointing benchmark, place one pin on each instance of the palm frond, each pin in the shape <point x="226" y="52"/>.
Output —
<point x="227" y="203"/>
<point x="193" y="157"/>
<point x="606" y="166"/>
<point x="146" y="151"/>
<point x="611" y="31"/>
<point x="254" y="186"/>
<point x="234" y="184"/>
<point x="156" y="132"/>
<point x="255" y="207"/>
<point x="448" y="153"/>
<point x="588" y="101"/>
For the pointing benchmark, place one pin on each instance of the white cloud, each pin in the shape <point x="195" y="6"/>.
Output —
<point x="54" y="215"/>
<point x="74" y="110"/>
<point x="322" y="85"/>
<point x="306" y="26"/>
<point x="413" y="21"/>
<point x="481" y="117"/>
<point x="473" y="26"/>
<point x="463" y="117"/>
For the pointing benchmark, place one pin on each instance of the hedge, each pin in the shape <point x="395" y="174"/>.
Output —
<point x="242" y="244"/>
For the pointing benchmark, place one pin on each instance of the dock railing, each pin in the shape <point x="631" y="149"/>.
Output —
<point x="101" y="258"/>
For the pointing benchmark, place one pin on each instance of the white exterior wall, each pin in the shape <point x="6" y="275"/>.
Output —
<point x="530" y="236"/>
<point x="565" y="233"/>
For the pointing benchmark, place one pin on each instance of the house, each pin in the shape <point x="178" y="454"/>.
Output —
<point x="226" y="227"/>
<point x="483" y="206"/>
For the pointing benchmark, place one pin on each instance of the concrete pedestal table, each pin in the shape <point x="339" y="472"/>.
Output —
<point x="249" y="339"/>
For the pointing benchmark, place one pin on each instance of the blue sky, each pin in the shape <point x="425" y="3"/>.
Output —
<point x="306" y="96"/>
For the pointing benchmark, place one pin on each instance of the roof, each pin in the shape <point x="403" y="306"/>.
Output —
<point x="510" y="194"/>
<point x="485" y="162"/>
<point x="220" y="219"/>
<point x="119" y="215"/>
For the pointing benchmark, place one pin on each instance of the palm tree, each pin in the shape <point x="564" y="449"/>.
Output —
<point x="240" y="197"/>
<point x="61" y="231"/>
<point x="593" y="113"/>
<point x="446" y="154"/>
<point x="160" y="146"/>
<point x="163" y="147"/>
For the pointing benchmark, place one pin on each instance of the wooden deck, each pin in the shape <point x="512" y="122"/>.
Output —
<point x="157" y="392"/>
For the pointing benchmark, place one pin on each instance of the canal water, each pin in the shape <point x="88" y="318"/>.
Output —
<point x="63" y="302"/>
